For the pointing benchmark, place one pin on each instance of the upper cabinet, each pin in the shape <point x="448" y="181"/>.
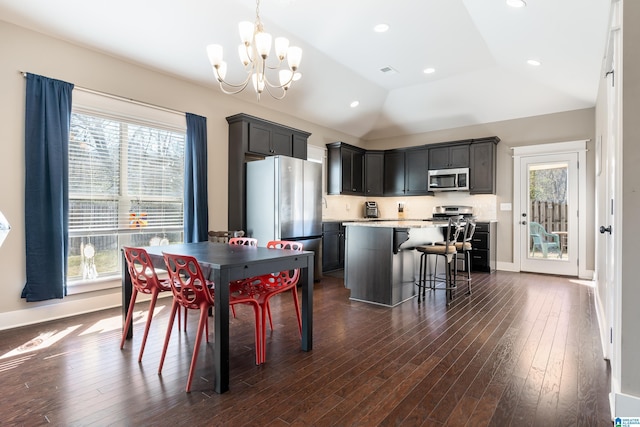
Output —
<point x="345" y="169"/>
<point x="394" y="173"/>
<point x="449" y="156"/>
<point x="405" y="172"/>
<point x="482" y="168"/>
<point x="265" y="138"/>
<point x="373" y="173"/>
<point x="415" y="174"/>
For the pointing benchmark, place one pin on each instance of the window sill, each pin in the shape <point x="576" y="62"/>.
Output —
<point x="84" y="286"/>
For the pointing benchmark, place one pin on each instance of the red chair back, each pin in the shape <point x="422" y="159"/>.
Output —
<point x="143" y="275"/>
<point x="244" y="241"/>
<point x="286" y="278"/>
<point x="188" y="284"/>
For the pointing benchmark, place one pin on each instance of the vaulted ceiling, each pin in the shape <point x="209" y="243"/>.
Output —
<point x="478" y="48"/>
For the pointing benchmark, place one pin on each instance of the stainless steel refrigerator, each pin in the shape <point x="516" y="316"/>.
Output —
<point x="284" y="203"/>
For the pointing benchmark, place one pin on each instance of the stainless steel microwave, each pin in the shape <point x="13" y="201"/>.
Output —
<point x="449" y="179"/>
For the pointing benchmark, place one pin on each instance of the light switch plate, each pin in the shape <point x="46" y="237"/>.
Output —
<point x="505" y="206"/>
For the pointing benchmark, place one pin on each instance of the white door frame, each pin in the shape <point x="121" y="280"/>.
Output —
<point x="578" y="147"/>
<point x="554" y="263"/>
<point x="609" y="249"/>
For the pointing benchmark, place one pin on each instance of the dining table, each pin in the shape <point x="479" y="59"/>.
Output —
<point x="224" y="263"/>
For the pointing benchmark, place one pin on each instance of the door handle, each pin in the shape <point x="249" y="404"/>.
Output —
<point x="603" y="229"/>
<point x="524" y="223"/>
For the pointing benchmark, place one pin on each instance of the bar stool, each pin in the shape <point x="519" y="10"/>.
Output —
<point x="447" y="250"/>
<point x="465" y="247"/>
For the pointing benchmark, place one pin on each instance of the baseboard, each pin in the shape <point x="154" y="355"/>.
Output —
<point x="602" y="324"/>
<point x="511" y="266"/>
<point x="59" y="309"/>
<point x="586" y="274"/>
<point x="507" y="266"/>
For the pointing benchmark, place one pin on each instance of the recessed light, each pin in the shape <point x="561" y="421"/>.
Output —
<point x="354" y="104"/>
<point x="516" y="3"/>
<point x="429" y="70"/>
<point x="533" y="62"/>
<point x="381" y="28"/>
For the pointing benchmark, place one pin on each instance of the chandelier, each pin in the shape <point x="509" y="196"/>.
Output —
<point x="254" y="52"/>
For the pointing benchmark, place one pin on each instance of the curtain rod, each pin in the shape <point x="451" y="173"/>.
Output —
<point x="121" y="98"/>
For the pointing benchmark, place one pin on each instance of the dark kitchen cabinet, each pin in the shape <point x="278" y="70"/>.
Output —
<point x="449" y="156"/>
<point x="484" y="242"/>
<point x="482" y="168"/>
<point x="415" y="173"/>
<point x="254" y="138"/>
<point x="345" y="169"/>
<point x="405" y="172"/>
<point x="299" y="147"/>
<point x="394" y="173"/>
<point x="269" y="140"/>
<point x="373" y="173"/>
<point x="333" y="234"/>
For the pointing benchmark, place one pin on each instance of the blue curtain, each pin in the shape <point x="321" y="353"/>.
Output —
<point x="196" y="211"/>
<point x="47" y="123"/>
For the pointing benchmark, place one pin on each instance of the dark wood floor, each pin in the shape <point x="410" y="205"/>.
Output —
<point x="522" y="350"/>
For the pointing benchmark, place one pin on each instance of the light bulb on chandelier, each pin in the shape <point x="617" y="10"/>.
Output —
<point x="254" y="52"/>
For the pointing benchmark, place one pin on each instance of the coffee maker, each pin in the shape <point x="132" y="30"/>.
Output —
<point x="370" y="209"/>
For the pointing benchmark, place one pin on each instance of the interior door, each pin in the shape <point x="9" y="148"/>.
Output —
<point x="549" y="214"/>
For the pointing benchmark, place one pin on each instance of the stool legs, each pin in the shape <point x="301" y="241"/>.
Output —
<point x="468" y="266"/>
<point x="422" y="276"/>
<point x="427" y="274"/>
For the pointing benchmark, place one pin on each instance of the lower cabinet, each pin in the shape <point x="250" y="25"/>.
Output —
<point x="483" y="255"/>
<point x="332" y="246"/>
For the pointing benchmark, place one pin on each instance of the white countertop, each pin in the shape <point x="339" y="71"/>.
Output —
<point x="405" y="223"/>
<point x="398" y="224"/>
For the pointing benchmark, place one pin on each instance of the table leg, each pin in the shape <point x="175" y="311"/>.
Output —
<point x="126" y="295"/>
<point x="221" y="319"/>
<point x="307" y="308"/>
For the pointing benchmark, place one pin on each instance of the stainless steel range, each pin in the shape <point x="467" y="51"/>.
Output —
<point x="442" y="213"/>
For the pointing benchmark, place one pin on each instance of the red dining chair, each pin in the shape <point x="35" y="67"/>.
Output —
<point x="192" y="291"/>
<point x="242" y="241"/>
<point x="144" y="280"/>
<point x="245" y="241"/>
<point x="264" y="287"/>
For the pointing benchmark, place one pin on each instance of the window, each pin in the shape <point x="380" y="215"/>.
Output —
<point x="126" y="181"/>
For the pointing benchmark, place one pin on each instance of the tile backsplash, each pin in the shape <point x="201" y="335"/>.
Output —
<point x="415" y="207"/>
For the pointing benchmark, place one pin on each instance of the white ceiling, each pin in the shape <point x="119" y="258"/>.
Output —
<point x="479" y="49"/>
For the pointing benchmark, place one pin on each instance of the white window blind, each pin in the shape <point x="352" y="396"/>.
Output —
<point x="126" y="182"/>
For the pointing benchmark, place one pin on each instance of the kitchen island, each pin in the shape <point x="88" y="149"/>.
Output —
<point x="381" y="263"/>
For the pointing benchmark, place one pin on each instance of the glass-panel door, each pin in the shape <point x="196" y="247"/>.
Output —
<point x="549" y="218"/>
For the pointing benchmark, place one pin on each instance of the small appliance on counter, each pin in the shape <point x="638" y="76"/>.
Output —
<point x="371" y="210"/>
